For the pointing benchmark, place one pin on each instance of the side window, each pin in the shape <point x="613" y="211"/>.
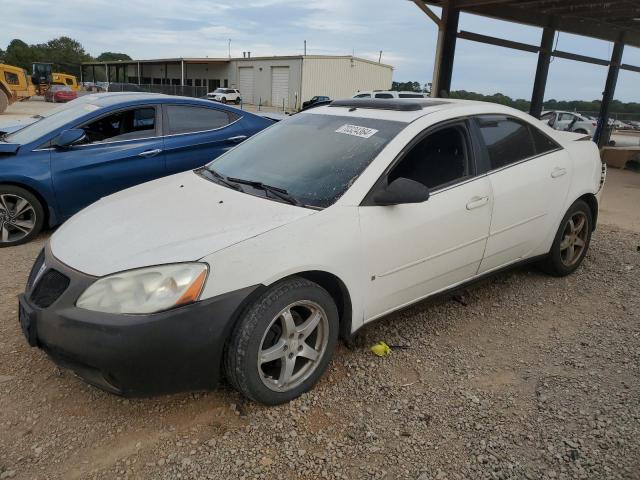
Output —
<point x="543" y="143"/>
<point x="547" y="116"/>
<point x="186" y="119"/>
<point x="69" y="81"/>
<point x="439" y="159"/>
<point x="363" y="95"/>
<point x="507" y="140"/>
<point x="384" y="95"/>
<point x="11" y="78"/>
<point x="124" y="125"/>
<point x="410" y="95"/>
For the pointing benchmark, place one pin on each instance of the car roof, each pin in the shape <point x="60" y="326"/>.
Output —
<point x="409" y="109"/>
<point x="110" y="99"/>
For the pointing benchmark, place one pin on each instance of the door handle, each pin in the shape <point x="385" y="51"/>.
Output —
<point x="477" y="202"/>
<point x="150" y="153"/>
<point x="237" y="139"/>
<point x="558" y="172"/>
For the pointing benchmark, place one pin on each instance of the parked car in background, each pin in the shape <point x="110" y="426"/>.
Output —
<point x="60" y="94"/>
<point x="121" y="87"/>
<point x="102" y="143"/>
<point x="255" y="264"/>
<point x="570" y="122"/>
<point x="388" y="94"/>
<point x="225" y="95"/>
<point x="318" y="99"/>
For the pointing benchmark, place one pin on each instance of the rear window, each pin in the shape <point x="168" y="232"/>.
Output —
<point x="411" y="95"/>
<point x="187" y="119"/>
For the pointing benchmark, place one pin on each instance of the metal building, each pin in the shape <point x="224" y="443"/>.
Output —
<point x="284" y="81"/>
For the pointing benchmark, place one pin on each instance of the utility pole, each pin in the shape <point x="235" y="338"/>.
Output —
<point x="305" y="48"/>
<point x="380" y="57"/>
<point x="229" y="48"/>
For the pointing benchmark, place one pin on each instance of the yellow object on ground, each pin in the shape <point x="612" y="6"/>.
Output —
<point x="381" y="349"/>
<point x="15" y="85"/>
<point x="66" y="79"/>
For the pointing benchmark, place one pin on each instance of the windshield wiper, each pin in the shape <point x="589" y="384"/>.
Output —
<point x="281" y="193"/>
<point x="219" y="178"/>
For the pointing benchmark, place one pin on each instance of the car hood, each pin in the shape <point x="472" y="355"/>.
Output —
<point x="179" y="218"/>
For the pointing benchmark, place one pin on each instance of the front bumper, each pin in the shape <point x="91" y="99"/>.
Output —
<point x="176" y="350"/>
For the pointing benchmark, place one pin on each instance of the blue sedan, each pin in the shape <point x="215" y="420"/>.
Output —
<point x="100" y="144"/>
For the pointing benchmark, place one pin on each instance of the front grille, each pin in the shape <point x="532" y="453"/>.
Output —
<point x="35" y="269"/>
<point x="49" y="288"/>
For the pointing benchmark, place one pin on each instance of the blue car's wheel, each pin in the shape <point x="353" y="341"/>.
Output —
<point x="21" y="216"/>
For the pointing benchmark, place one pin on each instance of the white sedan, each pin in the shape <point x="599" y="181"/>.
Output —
<point x="254" y="265"/>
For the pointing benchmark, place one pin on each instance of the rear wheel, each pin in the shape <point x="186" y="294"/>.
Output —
<point x="21" y="216"/>
<point x="4" y="101"/>
<point x="283" y="343"/>
<point x="571" y="242"/>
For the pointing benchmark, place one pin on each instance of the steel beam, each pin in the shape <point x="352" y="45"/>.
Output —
<point x="609" y="91"/>
<point x="450" y="19"/>
<point x="542" y="72"/>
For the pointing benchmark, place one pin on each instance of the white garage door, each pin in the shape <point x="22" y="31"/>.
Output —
<point x="280" y="86"/>
<point x="246" y="84"/>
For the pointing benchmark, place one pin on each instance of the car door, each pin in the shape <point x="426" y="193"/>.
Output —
<point x="197" y="134"/>
<point x="413" y="250"/>
<point x="122" y="148"/>
<point x="564" y="121"/>
<point x="529" y="174"/>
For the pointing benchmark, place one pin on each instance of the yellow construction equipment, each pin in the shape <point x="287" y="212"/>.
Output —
<point x="66" y="79"/>
<point x="15" y="85"/>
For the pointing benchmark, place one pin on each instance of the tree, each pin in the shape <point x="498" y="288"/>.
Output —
<point x="19" y="54"/>
<point x="112" y="57"/>
<point x="66" y="54"/>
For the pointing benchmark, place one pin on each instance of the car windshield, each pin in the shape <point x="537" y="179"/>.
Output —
<point x="60" y="88"/>
<point x="50" y="121"/>
<point x="313" y="157"/>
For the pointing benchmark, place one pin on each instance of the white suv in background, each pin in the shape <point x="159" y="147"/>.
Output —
<point x="225" y="95"/>
<point x="569" y="121"/>
<point x="388" y="94"/>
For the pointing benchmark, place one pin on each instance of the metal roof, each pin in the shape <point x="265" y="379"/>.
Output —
<point x="611" y="20"/>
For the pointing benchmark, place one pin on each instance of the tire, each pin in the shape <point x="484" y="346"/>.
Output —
<point x="4" y="101"/>
<point x="16" y="229"/>
<point x="262" y="328"/>
<point x="223" y="99"/>
<point x="571" y="242"/>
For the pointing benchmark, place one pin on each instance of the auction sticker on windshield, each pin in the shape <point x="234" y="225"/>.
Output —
<point x="356" y="131"/>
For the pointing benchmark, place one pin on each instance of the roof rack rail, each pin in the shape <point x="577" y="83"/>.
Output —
<point x="379" y="104"/>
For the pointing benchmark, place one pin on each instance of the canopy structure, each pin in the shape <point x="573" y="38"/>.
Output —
<point x="617" y="21"/>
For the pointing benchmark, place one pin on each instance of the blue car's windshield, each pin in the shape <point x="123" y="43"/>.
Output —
<point x="50" y="121"/>
<point x="314" y="158"/>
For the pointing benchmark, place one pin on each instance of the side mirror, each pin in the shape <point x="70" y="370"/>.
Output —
<point x="68" y="138"/>
<point x="401" y="191"/>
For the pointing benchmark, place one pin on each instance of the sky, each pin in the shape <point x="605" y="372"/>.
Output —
<point x="407" y="37"/>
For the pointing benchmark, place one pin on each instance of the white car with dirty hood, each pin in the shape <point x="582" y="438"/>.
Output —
<point x="254" y="265"/>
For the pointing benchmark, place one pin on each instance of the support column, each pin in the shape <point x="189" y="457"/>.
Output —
<point x="93" y="73"/>
<point x="609" y="91"/>
<point x="139" y="74"/>
<point x="450" y="18"/>
<point x="107" y="73"/>
<point x="181" y="72"/>
<point x="542" y="72"/>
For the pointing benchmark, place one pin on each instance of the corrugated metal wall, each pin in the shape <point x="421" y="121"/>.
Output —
<point x="342" y="77"/>
<point x="263" y="75"/>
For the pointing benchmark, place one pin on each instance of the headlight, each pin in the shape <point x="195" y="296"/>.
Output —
<point x="146" y="290"/>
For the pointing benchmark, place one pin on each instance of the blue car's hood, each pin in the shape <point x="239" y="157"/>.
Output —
<point x="9" y="147"/>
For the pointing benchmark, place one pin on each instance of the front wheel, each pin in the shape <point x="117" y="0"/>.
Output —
<point x="283" y="342"/>
<point x="571" y="241"/>
<point x="223" y="100"/>
<point x="21" y="216"/>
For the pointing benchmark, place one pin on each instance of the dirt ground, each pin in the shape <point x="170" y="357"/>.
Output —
<point x="524" y="376"/>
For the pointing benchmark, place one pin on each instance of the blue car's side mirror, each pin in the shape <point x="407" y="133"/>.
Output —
<point x="70" y="137"/>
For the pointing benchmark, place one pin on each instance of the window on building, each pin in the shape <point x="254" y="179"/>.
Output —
<point x="507" y="140"/>
<point x="157" y="81"/>
<point x="189" y="82"/>
<point x="124" y="125"/>
<point x="185" y="119"/>
<point x="198" y="82"/>
<point x="226" y="82"/>
<point x="175" y="81"/>
<point x="439" y="159"/>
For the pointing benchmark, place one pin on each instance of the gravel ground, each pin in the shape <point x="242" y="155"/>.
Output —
<point x="524" y="377"/>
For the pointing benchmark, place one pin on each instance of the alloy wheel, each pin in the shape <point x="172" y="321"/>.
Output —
<point x="17" y="218"/>
<point x="293" y="345"/>
<point x="574" y="239"/>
